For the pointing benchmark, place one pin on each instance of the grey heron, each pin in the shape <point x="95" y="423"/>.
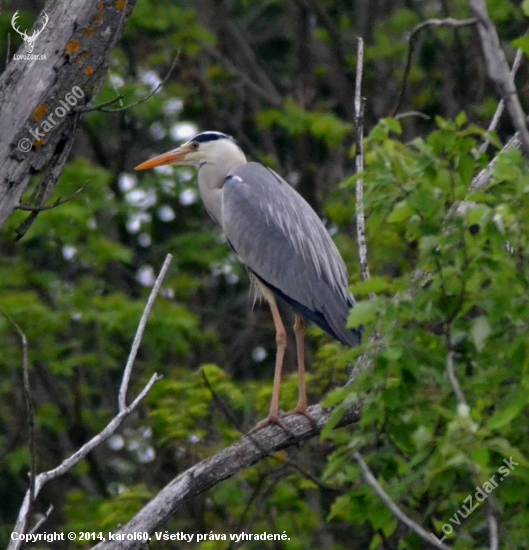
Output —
<point x="279" y="238"/>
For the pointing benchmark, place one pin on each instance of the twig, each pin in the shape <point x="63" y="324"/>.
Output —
<point x="359" y="138"/>
<point x="452" y="377"/>
<point x="101" y="107"/>
<point x="396" y="511"/>
<point x="493" y="525"/>
<point x="57" y="203"/>
<point x="448" y="22"/>
<point x="42" y="519"/>
<point x="31" y="416"/>
<point x="407" y="114"/>
<point x="501" y="104"/>
<point x="118" y="97"/>
<point x="270" y="95"/>
<point x="122" y="398"/>
<point x="498" y="69"/>
<point x="51" y="175"/>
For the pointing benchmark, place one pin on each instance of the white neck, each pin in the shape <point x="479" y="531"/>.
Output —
<point x="211" y="176"/>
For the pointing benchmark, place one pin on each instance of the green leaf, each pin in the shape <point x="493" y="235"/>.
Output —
<point x="374" y="284"/>
<point x="523" y="41"/>
<point x="363" y="313"/>
<point x="400" y="213"/>
<point x="461" y="119"/>
<point x="505" y="416"/>
<point x="480" y="332"/>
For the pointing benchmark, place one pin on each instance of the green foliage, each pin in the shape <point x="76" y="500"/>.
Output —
<point x="465" y="300"/>
<point x="297" y="121"/>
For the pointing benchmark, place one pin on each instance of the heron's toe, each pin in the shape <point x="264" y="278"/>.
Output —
<point x="304" y="412"/>
<point x="272" y="419"/>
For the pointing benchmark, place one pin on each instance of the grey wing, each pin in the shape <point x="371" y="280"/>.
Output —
<point x="276" y="233"/>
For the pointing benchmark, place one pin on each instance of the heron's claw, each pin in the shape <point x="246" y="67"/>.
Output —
<point x="305" y="413"/>
<point x="272" y="419"/>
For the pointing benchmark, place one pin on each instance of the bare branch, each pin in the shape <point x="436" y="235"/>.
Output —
<point x="395" y="510"/>
<point x="226" y="463"/>
<point x="359" y="103"/>
<point x="56" y="204"/>
<point x="31" y="416"/>
<point x="122" y="399"/>
<point x="42" y="519"/>
<point x="269" y="95"/>
<point x="452" y="377"/>
<point x="448" y="22"/>
<point x="501" y="104"/>
<point x="498" y="70"/>
<point x="101" y="107"/>
<point x="493" y="525"/>
<point x="481" y="180"/>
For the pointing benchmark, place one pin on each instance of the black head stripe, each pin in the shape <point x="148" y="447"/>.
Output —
<point x="210" y="136"/>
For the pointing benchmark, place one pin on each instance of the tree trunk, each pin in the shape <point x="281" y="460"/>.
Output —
<point x="41" y="99"/>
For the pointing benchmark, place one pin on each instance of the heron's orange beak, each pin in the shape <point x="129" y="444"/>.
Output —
<point x="172" y="157"/>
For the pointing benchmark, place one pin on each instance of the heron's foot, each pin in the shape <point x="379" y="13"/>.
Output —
<point x="272" y="419"/>
<point x="300" y="409"/>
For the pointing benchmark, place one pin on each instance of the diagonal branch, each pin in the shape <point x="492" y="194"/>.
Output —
<point x="395" y="510"/>
<point x="501" y="105"/>
<point x="225" y="464"/>
<point x="122" y="399"/>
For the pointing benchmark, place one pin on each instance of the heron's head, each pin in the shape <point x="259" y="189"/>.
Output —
<point x="206" y="148"/>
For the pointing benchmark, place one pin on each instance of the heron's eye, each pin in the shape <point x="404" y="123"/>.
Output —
<point x="194" y="145"/>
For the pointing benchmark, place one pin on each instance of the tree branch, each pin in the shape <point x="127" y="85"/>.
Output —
<point x="448" y="22"/>
<point x="225" y="464"/>
<point x="359" y="103"/>
<point x="76" y="55"/>
<point x="31" y="417"/>
<point x="57" y="203"/>
<point x="452" y="377"/>
<point x="122" y="398"/>
<point x="395" y="510"/>
<point x="102" y="107"/>
<point x="498" y="70"/>
<point x="501" y="104"/>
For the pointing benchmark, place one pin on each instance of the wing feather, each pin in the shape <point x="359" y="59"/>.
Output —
<point x="276" y="233"/>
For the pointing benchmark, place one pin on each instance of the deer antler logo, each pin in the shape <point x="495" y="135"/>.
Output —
<point x="29" y="41"/>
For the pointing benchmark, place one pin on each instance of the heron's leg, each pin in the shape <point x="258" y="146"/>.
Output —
<point x="281" y="341"/>
<point x="301" y="407"/>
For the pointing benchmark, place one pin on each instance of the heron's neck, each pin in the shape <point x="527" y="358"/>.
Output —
<point x="211" y="178"/>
